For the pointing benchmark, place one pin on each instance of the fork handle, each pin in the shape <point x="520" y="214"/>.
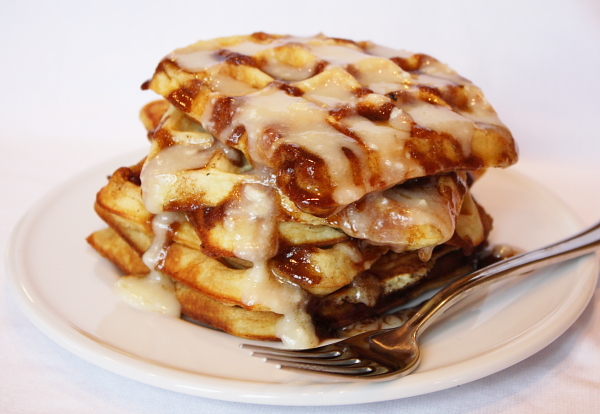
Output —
<point x="578" y="245"/>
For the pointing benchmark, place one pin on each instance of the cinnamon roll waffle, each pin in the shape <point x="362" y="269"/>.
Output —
<point x="294" y="186"/>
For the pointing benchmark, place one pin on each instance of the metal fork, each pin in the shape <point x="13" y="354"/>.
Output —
<point x="393" y="353"/>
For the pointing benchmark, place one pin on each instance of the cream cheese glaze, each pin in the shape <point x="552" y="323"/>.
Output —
<point x="154" y="292"/>
<point x="251" y="219"/>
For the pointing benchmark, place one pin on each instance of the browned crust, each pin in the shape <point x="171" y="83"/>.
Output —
<point x="232" y="319"/>
<point x="112" y="247"/>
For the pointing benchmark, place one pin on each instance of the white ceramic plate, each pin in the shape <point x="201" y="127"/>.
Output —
<point x="67" y="290"/>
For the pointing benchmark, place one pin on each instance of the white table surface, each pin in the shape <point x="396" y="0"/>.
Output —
<point x="69" y="98"/>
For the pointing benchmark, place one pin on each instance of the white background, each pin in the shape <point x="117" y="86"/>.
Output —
<point x="70" y="76"/>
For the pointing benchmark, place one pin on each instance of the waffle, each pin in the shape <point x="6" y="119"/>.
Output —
<point x="295" y="186"/>
<point x="313" y="109"/>
<point x="211" y="288"/>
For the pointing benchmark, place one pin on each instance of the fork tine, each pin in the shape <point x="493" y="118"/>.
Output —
<point x="312" y="361"/>
<point x="363" y="369"/>
<point x="331" y="360"/>
<point x="321" y="352"/>
<point x="326" y="369"/>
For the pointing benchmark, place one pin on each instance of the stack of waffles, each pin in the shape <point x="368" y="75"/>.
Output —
<point x="296" y="186"/>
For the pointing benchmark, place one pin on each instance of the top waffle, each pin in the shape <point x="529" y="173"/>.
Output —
<point x="308" y="110"/>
